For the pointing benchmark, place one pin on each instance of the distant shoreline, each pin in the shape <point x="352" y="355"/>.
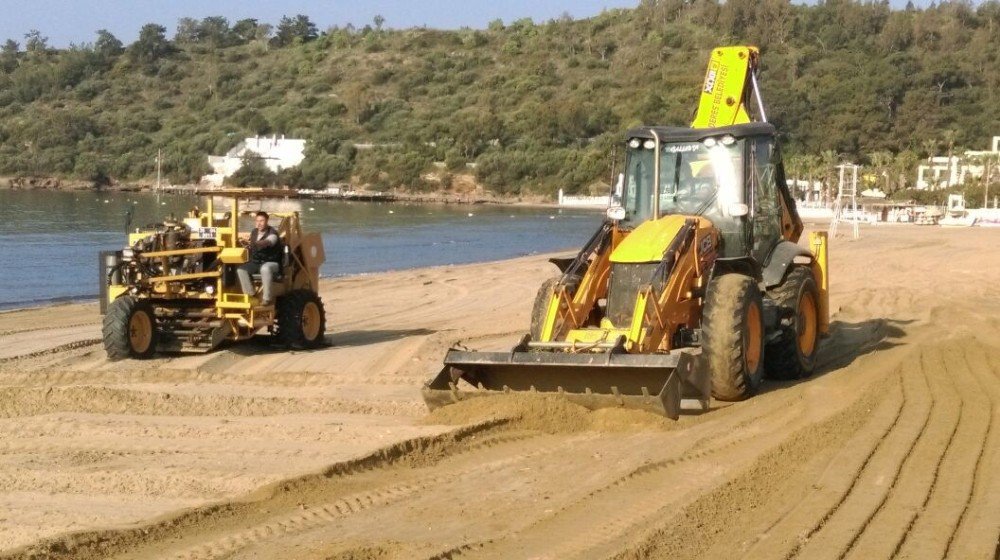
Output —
<point x="55" y="184"/>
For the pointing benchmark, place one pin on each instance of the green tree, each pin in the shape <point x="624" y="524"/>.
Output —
<point x="881" y="163"/>
<point x="151" y="46"/>
<point x="35" y="42"/>
<point x="188" y="31"/>
<point x="9" y="55"/>
<point x="248" y="30"/>
<point x="253" y="172"/>
<point x="291" y="30"/>
<point x="107" y="47"/>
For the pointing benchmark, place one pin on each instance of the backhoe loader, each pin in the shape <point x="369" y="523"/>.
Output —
<point x="694" y="286"/>
<point x="173" y="287"/>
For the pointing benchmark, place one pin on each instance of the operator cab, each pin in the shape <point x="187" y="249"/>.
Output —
<point x="729" y="175"/>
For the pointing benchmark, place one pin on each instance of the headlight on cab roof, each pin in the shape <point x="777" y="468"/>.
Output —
<point x="727" y="140"/>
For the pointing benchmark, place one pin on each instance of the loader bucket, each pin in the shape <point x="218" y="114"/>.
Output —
<point x="653" y="382"/>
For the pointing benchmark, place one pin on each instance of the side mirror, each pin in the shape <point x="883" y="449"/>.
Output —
<point x="616" y="191"/>
<point x="616" y="213"/>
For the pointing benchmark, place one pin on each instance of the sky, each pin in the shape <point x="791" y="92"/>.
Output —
<point x="75" y="21"/>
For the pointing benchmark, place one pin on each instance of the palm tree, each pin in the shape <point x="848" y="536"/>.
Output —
<point x="881" y="161"/>
<point x="904" y="164"/>
<point x="794" y="167"/>
<point x="950" y="136"/>
<point x="828" y="165"/>
<point x="811" y="165"/>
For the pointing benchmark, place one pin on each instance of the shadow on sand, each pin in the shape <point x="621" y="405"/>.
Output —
<point x="847" y="342"/>
<point x="364" y="338"/>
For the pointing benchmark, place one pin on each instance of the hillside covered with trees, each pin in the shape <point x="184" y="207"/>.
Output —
<point x="536" y="106"/>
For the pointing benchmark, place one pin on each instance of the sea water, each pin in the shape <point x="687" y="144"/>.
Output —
<point x="49" y="240"/>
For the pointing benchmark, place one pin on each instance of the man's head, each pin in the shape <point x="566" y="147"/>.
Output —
<point x="260" y="220"/>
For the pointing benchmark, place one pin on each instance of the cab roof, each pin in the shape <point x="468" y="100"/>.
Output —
<point x="684" y="134"/>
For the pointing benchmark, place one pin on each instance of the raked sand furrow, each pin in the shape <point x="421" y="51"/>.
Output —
<point x="888" y="529"/>
<point x="938" y="518"/>
<point x="978" y="531"/>
<point x="582" y="529"/>
<point x="783" y="530"/>
<point x="837" y="533"/>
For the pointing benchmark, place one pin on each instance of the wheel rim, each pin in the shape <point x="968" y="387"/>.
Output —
<point x="140" y="331"/>
<point x="310" y="321"/>
<point x="753" y="338"/>
<point x="807" y="324"/>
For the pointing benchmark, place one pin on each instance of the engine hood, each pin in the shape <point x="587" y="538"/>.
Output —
<point x="650" y="240"/>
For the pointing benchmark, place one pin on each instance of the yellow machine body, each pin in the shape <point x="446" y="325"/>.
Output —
<point x="186" y="268"/>
<point x="621" y="326"/>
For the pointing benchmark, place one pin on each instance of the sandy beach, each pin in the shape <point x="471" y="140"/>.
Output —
<point x="891" y="450"/>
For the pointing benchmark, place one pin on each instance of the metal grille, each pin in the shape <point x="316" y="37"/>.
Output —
<point x="626" y="280"/>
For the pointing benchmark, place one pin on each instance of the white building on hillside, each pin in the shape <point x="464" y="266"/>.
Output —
<point x="278" y="153"/>
<point x="941" y="173"/>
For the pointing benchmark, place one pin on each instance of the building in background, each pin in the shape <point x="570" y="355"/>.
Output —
<point x="942" y="172"/>
<point x="277" y="152"/>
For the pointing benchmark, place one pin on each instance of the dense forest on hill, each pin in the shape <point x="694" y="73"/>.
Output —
<point x="536" y="106"/>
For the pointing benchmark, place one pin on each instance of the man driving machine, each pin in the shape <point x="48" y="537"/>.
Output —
<point x="265" y="258"/>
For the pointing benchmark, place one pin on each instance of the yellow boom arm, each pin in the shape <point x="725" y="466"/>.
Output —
<point x="725" y="95"/>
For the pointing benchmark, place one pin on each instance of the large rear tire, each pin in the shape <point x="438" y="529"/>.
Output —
<point x="130" y="329"/>
<point x="301" y="319"/>
<point x="733" y="336"/>
<point x="793" y="354"/>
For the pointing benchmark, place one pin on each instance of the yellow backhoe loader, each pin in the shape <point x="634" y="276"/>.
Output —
<point x="695" y="285"/>
<point x="174" y="286"/>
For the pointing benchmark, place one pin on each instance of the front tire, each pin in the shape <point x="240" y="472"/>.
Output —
<point x="301" y="319"/>
<point x="130" y="329"/>
<point x="541" y="307"/>
<point x="733" y="336"/>
<point x="793" y="354"/>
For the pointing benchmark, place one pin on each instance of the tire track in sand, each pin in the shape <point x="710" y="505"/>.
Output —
<point x="886" y="531"/>
<point x="928" y="505"/>
<point x="155" y="540"/>
<point x="287" y="527"/>
<point x="575" y="530"/>
<point x="833" y="536"/>
<point x="785" y="530"/>
<point x="954" y="479"/>
<point x="314" y="516"/>
<point x="977" y="531"/>
<point x="35" y="401"/>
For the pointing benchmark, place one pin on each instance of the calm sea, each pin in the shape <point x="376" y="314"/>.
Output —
<point x="49" y="240"/>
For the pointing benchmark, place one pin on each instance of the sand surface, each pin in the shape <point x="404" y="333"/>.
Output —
<point x="891" y="450"/>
